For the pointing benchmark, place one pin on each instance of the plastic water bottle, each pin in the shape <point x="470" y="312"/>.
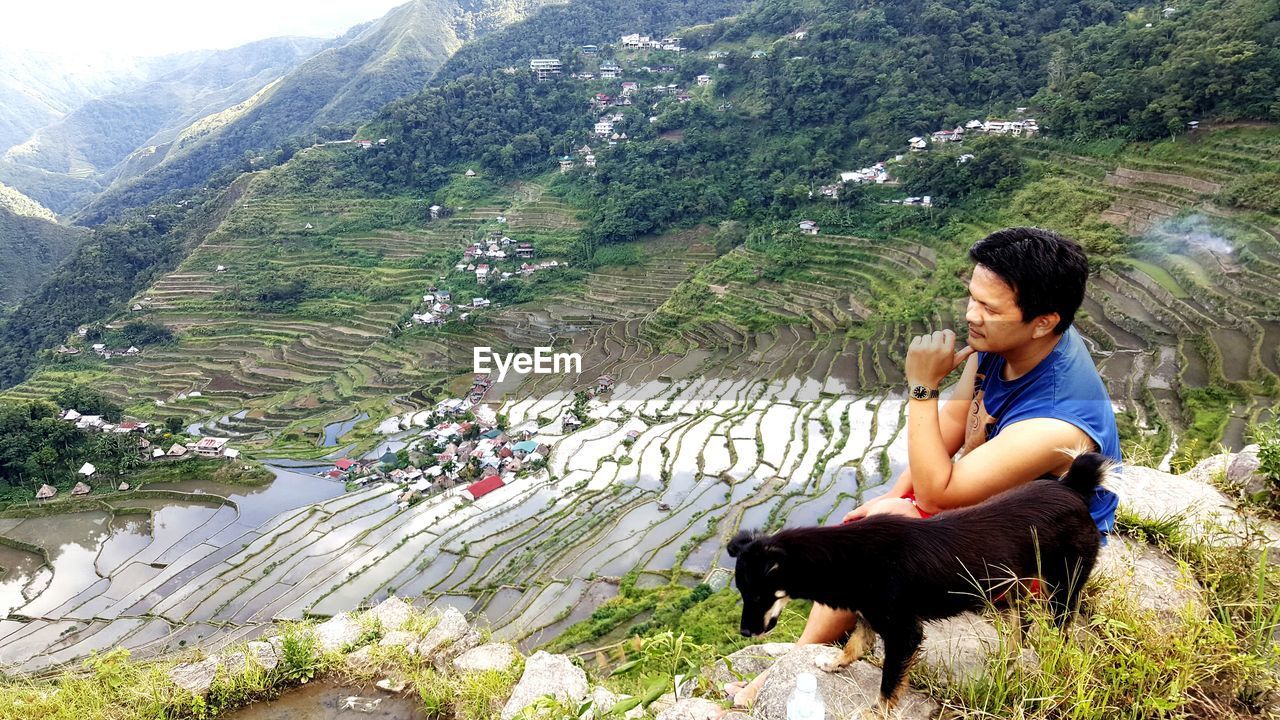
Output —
<point x="805" y="703"/>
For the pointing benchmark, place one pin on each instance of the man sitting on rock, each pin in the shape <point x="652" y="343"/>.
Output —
<point x="1028" y="390"/>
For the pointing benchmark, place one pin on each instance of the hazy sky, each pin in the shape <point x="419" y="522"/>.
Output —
<point x="156" y="27"/>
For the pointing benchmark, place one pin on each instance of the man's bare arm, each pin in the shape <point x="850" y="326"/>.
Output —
<point x="951" y="420"/>
<point x="1022" y="452"/>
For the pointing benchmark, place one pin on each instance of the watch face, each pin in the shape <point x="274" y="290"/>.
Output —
<point x="920" y="392"/>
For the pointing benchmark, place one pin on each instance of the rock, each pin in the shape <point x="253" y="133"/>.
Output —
<point x="397" y="638"/>
<point x="1243" y="475"/>
<point x="195" y="678"/>
<point x="845" y="693"/>
<point x="392" y="613"/>
<point x="1203" y="512"/>
<point x="959" y="649"/>
<point x="602" y="700"/>
<point x="444" y="655"/>
<point x="338" y="632"/>
<point x="1207" y="470"/>
<point x="451" y="627"/>
<point x="361" y="660"/>
<point x="691" y="709"/>
<point x="746" y="663"/>
<point x="391" y="685"/>
<point x="1152" y="580"/>
<point x="264" y="656"/>
<point x="546" y="674"/>
<point x="493" y="656"/>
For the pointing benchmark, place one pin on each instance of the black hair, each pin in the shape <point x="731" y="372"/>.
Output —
<point x="1046" y="271"/>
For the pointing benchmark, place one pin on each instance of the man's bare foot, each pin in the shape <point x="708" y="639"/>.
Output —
<point x="743" y="693"/>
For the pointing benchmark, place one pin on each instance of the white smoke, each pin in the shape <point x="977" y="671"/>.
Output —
<point x="1192" y="232"/>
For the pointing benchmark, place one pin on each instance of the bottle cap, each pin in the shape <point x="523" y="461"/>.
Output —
<point x="806" y="682"/>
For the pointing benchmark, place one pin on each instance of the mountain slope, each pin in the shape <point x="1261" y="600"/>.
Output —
<point x="37" y="90"/>
<point x="99" y="134"/>
<point x="30" y="249"/>
<point x="330" y="93"/>
<point x="19" y="204"/>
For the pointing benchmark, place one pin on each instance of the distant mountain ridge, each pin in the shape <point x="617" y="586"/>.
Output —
<point x="92" y="140"/>
<point x="330" y="93"/>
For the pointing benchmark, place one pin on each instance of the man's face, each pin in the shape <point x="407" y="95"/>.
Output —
<point x="995" y="321"/>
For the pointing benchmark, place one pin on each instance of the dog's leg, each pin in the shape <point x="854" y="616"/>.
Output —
<point x="901" y="644"/>
<point x="859" y="642"/>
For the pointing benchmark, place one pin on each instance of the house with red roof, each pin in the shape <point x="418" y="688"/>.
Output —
<point x="483" y="487"/>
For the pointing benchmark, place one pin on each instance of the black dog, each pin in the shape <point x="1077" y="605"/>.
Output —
<point x="898" y="572"/>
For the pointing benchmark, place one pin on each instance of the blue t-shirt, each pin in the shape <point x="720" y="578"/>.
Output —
<point x="1065" y="386"/>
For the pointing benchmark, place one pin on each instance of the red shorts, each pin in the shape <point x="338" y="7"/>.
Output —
<point x="911" y="495"/>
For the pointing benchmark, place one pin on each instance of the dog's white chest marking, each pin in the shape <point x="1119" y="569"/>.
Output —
<point x="776" y="609"/>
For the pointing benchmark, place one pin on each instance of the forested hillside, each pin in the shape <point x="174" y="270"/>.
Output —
<point x="30" y="249"/>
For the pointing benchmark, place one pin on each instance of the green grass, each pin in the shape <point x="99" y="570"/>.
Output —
<point x="1161" y="276"/>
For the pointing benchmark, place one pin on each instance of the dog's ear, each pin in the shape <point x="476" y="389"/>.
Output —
<point x="740" y="542"/>
<point x="775" y="557"/>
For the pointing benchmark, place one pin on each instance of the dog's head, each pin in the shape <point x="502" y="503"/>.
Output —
<point x="760" y="577"/>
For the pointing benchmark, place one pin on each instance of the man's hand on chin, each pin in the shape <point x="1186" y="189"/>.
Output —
<point x="930" y="358"/>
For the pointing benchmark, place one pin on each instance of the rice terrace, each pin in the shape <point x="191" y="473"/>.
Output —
<point x="352" y="375"/>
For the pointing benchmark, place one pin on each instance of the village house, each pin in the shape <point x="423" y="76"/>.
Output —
<point x="46" y="492"/>
<point x="808" y="227"/>
<point x="87" y="470"/>
<point x="479" y="302"/>
<point x="566" y="164"/>
<point x="570" y="422"/>
<point x="704" y="80"/>
<point x="917" y="144"/>
<point x="484" y="486"/>
<point x="590" y="49"/>
<point x="604" y="127"/>
<point x="210" y="446"/>
<point x="544" y="68"/>
<point x="178" y="450"/>
<point x="435" y="212"/>
<point x="80" y="489"/>
<point x="482" y="273"/>
<point x="630" y="88"/>
<point x="604" y="383"/>
<point x="610" y="71"/>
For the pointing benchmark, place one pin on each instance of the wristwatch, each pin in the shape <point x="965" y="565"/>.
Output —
<point x="920" y="392"/>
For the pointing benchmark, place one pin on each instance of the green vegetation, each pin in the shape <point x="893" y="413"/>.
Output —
<point x="30" y="250"/>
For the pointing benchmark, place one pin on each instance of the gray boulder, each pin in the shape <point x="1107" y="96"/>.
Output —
<point x="338" y="632"/>
<point x="746" y="663"/>
<point x="392" y="613"/>
<point x="196" y="678"/>
<point x="846" y="693"/>
<point x="452" y="627"/>
<point x="492" y="656"/>
<point x="398" y="638"/>
<point x="546" y="674"/>
<point x="692" y="709"/>
<point x="1151" y="579"/>
<point x="960" y="649"/>
<point x="1244" y="475"/>
<point x="263" y="654"/>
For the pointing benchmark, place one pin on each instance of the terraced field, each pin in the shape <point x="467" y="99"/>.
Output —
<point x="276" y="373"/>
<point x="708" y="455"/>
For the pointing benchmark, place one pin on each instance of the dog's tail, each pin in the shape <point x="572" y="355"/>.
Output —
<point x="1087" y="472"/>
